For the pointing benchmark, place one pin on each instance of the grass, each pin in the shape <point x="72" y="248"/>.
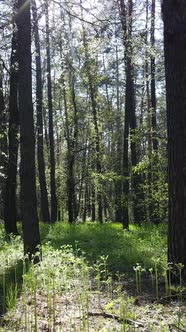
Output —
<point x="83" y="281"/>
<point x="123" y="248"/>
<point x="64" y="293"/>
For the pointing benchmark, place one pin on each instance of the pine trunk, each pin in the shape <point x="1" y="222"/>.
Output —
<point x="31" y="234"/>
<point x="174" y="15"/>
<point x="39" y="105"/>
<point x="10" y="212"/>
<point x="51" y="127"/>
<point x="3" y="142"/>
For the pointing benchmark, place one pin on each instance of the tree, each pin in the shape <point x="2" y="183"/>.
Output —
<point x="174" y="16"/>
<point x="71" y="136"/>
<point x="70" y="115"/>
<point x="31" y="234"/>
<point x="3" y="139"/>
<point x="45" y="215"/>
<point x="130" y="118"/>
<point x="91" y="70"/>
<point x="153" y="78"/>
<point x="10" y="211"/>
<point x="51" y="127"/>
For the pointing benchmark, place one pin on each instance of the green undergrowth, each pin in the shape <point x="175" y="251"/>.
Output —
<point x="145" y="245"/>
<point x="65" y="293"/>
<point x="11" y="250"/>
<point x="83" y="282"/>
<point x="11" y="257"/>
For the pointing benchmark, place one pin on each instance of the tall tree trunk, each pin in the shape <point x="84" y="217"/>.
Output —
<point x="135" y="178"/>
<point x="70" y="189"/>
<point x="51" y="129"/>
<point x="129" y="103"/>
<point x="3" y="142"/>
<point x="92" y="91"/>
<point x="118" y="185"/>
<point x="155" y="209"/>
<point x="174" y="15"/>
<point x="10" y="211"/>
<point x="153" y="80"/>
<point x="93" y="94"/>
<point x="74" y="138"/>
<point x="71" y="127"/>
<point x="125" y="207"/>
<point x="71" y="199"/>
<point x="31" y="234"/>
<point x="39" y="105"/>
<point x="93" y="204"/>
<point x="137" y="196"/>
<point x="149" y="205"/>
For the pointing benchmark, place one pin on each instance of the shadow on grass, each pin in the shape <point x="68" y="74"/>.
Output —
<point x="124" y="249"/>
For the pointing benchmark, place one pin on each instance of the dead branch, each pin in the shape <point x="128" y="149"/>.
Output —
<point x="118" y="318"/>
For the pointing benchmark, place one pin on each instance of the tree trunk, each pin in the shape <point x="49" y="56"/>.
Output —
<point x="70" y="189"/>
<point x="3" y="142"/>
<point x="149" y="205"/>
<point x="118" y="184"/>
<point x="74" y="138"/>
<point x="153" y="80"/>
<point x="129" y="104"/>
<point x="92" y="86"/>
<point x="125" y="203"/>
<point x="174" y="15"/>
<point x="93" y="204"/>
<point x="31" y="234"/>
<point x="71" y="199"/>
<point x="155" y="210"/>
<point x="51" y="129"/>
<point x="39" y="105"/>
<point x="97" y="142"/>
<point x="10" y="212"/>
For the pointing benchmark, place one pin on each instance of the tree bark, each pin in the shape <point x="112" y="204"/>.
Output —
<point x="125" y="203"/>
<point x="92" y="86"/>
<point x="10" y="211"/>
<point x="31" y="234"/>
<point x="174" y="15"/>
<point x="149" y="205"/>
<point x="39" y="105"/>
<point x="3" y="142"/>
<point x="71" y="199"/>
<point x="155" y="215"/>
<point x="51" y="127"/>
<point x="118" y="184"/>
<point x="129" y="104"/>
<point x="153" y="80"/>
<point x="92" y="90"/>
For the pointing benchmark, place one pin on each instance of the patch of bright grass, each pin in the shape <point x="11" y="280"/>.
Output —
<point x="124" y="248"/>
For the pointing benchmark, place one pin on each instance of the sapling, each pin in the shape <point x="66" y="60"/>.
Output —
<point x="156" y="266"/>
<point x="152" y="276"/>
<point x="169" y="271"/>
<point x="138" y="272"/>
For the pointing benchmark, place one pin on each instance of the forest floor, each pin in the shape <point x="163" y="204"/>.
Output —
<point x="66" y="292"/>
